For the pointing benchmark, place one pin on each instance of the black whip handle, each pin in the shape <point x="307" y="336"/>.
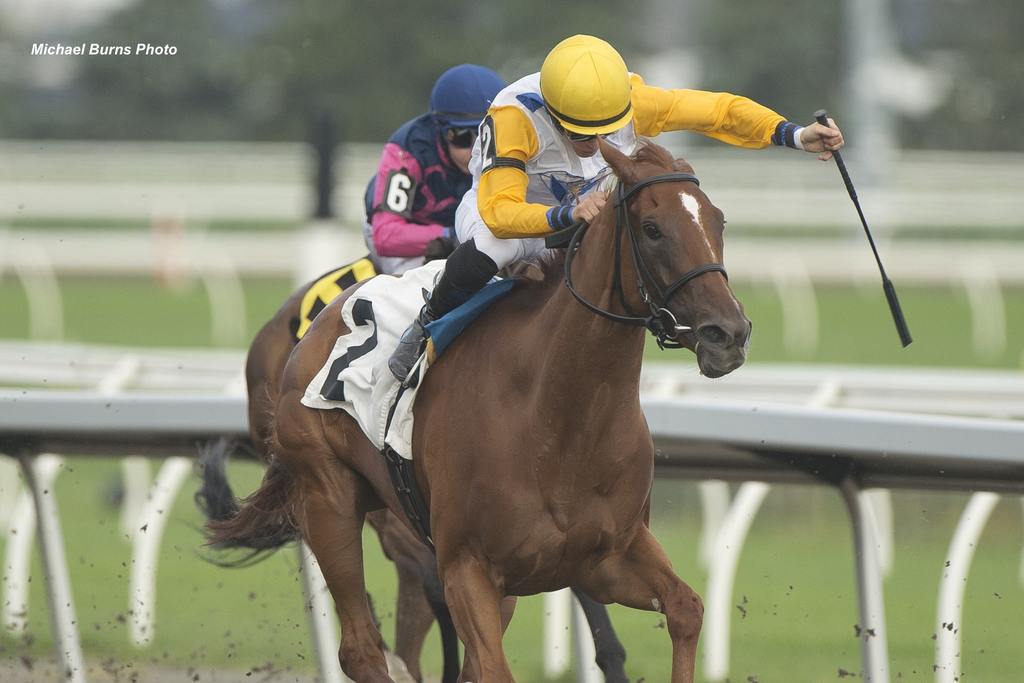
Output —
<point x="821" y="116"/>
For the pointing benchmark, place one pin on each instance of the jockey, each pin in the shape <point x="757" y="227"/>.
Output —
<point x="424" y="171"/>
<point x="537" y="158"/>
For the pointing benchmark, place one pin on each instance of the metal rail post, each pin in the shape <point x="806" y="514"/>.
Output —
<point x="954" y="582"/>
<point x="557" y="656"/>
<point x="20" y="532"/>
<point x="587" y="670"/>
<point x="39" y="475"/>
<point x="714" y="505"/>
<point x="874" y="645"/>
<point x="1022" y="552"/>
<point x="146" y="537"/>
<point x="722" y="576"/>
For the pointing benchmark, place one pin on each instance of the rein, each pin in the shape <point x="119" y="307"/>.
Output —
<point x="661" y="322"/>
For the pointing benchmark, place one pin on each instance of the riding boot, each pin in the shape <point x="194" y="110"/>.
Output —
<point x="410" y="346"/>
<point x="467" y="270"/>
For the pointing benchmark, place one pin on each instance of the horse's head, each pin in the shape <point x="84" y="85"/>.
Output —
<point x="676" y="236"/>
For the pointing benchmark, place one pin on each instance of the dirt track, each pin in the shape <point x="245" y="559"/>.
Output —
<point x="37" y="671"/>
<point x="42" y="672"/>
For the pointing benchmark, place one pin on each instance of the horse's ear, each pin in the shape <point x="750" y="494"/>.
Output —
<point x="682" y="166"/>
<point x="624" y="167"/>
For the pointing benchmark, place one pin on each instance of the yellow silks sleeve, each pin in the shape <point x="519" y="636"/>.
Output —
<point x="501" y="193"/>
<point x="730" y="118"/>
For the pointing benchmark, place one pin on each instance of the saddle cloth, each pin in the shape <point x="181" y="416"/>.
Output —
<point x="355" y="378"/>
<point x="327" y="288"/>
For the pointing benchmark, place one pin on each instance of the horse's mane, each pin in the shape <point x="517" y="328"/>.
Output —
<point x="552" y="268"/>
<point x="552" y="263"/>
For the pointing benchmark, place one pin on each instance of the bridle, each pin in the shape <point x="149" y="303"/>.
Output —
<point x="661" y="322"/>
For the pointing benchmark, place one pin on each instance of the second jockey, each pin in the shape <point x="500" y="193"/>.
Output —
<point x="424" y="171"/>
<point x="536" y="160"/>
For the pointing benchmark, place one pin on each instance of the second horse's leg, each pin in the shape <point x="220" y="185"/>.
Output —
<point x="449" y="638"/>
<point x="610" y="654"/>
<point x="413" y="618"/>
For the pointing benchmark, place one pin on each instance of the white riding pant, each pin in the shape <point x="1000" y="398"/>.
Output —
<point x="470" y="226"/>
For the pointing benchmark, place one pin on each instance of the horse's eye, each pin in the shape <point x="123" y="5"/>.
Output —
<point x="651" y="230"/>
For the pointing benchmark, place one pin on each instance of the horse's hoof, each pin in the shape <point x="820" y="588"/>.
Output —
<point x="397" y="669"/>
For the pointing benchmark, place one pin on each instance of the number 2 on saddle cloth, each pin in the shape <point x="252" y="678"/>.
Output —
<point x="327" y="288"/>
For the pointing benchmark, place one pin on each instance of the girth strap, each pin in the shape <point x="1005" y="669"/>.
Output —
<point x="403" y="479"/>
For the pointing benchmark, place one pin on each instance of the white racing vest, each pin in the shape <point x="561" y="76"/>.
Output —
<point x="557" y="176"/>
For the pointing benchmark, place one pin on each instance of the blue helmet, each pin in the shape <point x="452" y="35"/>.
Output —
<point x="462" y="95"/>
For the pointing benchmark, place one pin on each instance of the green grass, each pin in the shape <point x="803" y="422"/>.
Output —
<point x="138" y="312"/>
<point x="796" y="573"/>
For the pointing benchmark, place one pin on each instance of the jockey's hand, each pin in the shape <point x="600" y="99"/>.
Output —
<point x="818" y="138"/>
<point x="589" y="206"/>
<point x="439" y="248"/>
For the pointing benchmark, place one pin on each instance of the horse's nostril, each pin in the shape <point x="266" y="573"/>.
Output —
<point x="713" y="335"/>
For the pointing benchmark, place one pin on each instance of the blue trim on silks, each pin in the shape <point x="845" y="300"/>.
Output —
<point x="558" y="189"/>
<point x="530" y="100"/>
<point x="783" y="135"/>
<point x="552" y="221"/>
<point x="559" y="217"/>
<point x="586" y="187"/>
<point x="444" y="330"/>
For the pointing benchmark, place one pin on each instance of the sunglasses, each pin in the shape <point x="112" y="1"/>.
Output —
<point x="462" y="138"/>
<point x="576" y="137"/>
<point x="580" y="137"/>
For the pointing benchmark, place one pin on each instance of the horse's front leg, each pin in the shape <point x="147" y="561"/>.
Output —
<point x="642" y="578"/>
<point x="480" y="616"/>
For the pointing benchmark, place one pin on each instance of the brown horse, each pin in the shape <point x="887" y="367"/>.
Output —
<point x="420" y="597"/>
<point x="538" y="476"/>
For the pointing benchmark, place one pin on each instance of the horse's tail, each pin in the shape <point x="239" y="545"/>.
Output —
<point x="260" y="523"/>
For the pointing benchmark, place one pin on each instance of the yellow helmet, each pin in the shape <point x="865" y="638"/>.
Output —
<point x="585" y="85"/>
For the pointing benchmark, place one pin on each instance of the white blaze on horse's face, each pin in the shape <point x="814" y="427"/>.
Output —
<point x="692" y="206"/>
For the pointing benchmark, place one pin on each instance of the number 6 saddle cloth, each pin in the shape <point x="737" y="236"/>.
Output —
<point x="355" y="378"/>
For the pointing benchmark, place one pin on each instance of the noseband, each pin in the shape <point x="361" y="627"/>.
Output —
<point x="661" y="322"/>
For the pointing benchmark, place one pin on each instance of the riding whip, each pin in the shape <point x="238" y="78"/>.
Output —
<point x="890" y="292"/>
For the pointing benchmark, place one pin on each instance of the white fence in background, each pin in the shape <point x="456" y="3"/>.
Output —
<point x="762" y="425"/>
<point x="793" y="268"/>
<point x="272" y="181"/>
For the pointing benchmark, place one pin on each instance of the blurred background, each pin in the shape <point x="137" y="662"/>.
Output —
<point x="174" y="201"/>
